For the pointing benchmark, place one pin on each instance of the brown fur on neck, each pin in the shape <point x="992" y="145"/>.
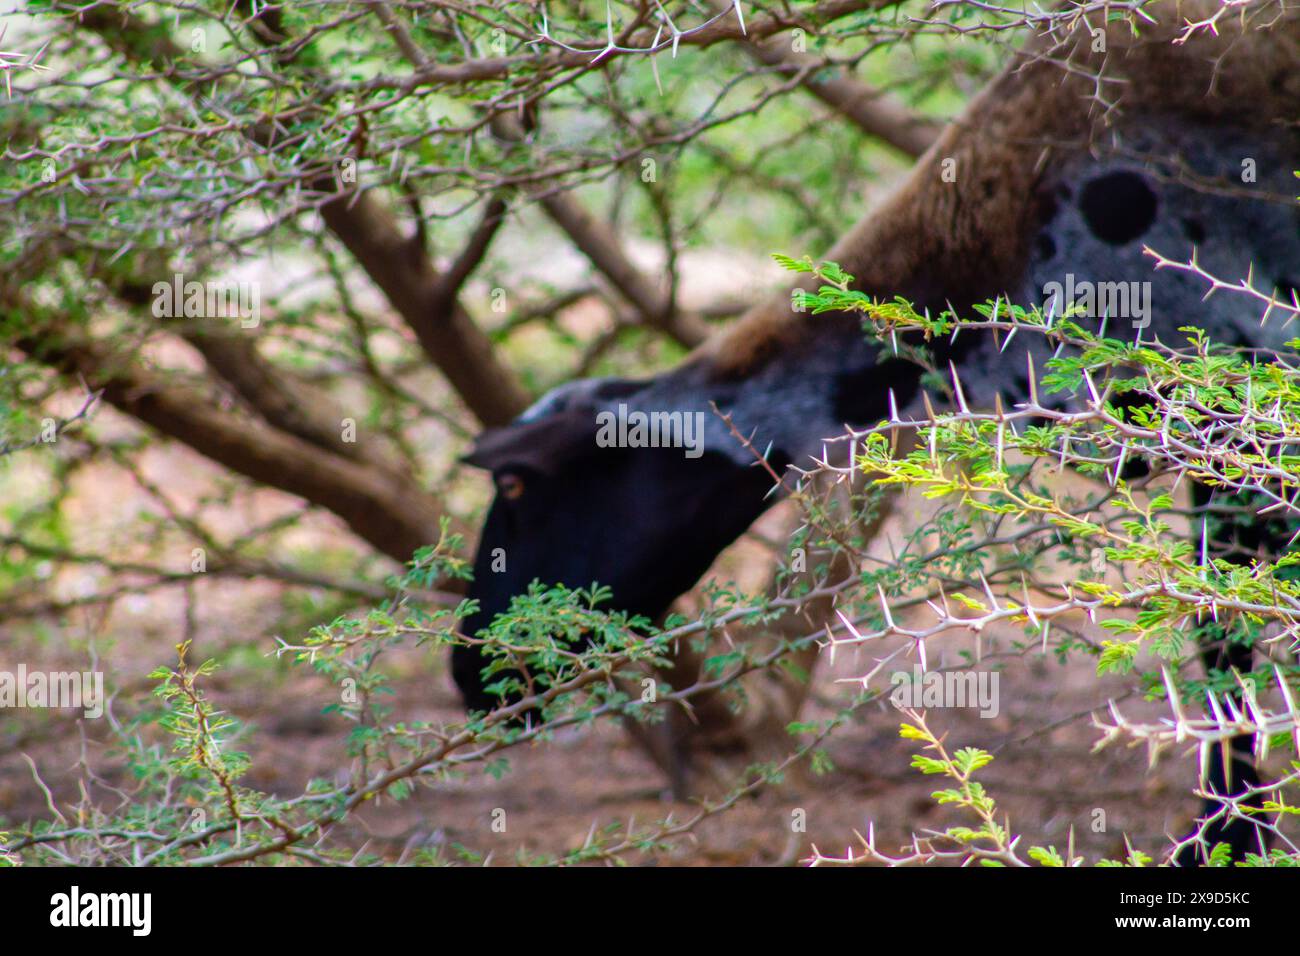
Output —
<point x="966" y="241"/>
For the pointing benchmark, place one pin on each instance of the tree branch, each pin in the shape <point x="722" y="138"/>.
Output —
<point x="449" y="337"/>
<point x="387" y="510"/>
<point x="874" y="112"/>
<point x="401" y="270"/>
<point x="600" y="244"/>
<point x="281" y="398"/>
<point x="475" y="249"/>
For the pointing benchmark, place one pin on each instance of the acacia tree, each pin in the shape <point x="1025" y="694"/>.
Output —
<point x="292" y="239"/>
<point x="394" y="142"/>
<point x="382" y="153"/>
<point x="352" y="189"/>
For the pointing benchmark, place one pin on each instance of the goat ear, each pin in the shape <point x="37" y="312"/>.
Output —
<point x="543" y="445"/>
<point x="556" y="429"/>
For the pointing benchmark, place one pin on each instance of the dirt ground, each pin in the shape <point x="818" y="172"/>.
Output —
<point x="1045" y="777"/>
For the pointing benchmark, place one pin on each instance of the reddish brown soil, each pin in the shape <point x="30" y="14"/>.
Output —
<point x="1045" y="777"/>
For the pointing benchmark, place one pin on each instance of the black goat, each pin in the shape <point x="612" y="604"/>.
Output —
<point x="1049" y="180"/>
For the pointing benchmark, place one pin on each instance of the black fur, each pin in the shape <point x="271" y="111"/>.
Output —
<point x="649" y="522"/>
<point x="645" y="522"/>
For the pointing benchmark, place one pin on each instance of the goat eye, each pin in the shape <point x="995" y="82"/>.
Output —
<point x="510" y="486"/>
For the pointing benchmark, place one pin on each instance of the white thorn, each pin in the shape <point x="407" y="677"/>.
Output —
<point x="735" y="5"/>
<point x="956" y="383"/>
